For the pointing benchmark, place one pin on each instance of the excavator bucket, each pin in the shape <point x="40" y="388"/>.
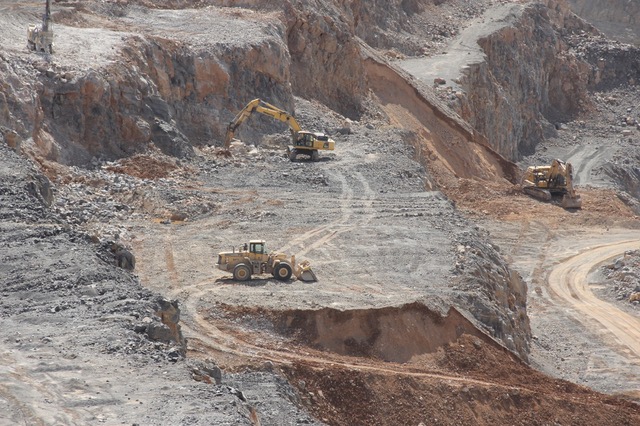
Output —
<point x="569" y="202"/>
<point x="304" y="273"/>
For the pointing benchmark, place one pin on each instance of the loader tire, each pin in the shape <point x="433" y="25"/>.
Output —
<point x="241" y="272"/>
<point x="282" y="272"/>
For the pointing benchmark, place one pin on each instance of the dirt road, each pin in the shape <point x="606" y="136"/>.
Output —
<point x="464" y="49"/>
<point x="569" y="280"/>
<point x="577" y="336"/>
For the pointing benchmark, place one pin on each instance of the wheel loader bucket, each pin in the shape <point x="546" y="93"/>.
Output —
<point x="304" y="273"/>
<point x="569" y="202"/>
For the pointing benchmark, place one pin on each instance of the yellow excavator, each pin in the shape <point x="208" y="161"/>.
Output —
<point x="254" y="259"/>
<point x="305" y="143"/>
<point x="546" y="182"/>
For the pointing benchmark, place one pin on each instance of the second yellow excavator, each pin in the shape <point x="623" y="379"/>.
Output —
<point x="305" y="143"/>
<point x="544" y="182"/>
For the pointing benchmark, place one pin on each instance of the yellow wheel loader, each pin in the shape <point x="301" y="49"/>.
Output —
<point x="254" y="259"/>
<point x="40" y="38"/>
<point x="546" y="182"/>
<point x="305" y="143"/>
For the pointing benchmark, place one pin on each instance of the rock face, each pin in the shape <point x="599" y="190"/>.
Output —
<point x="619" y="19"/>
<point x="160" y="92"/>
<point x="175" y="94"/>
<point x="170" y="96"/>
<point x="612" y="64"/>
<point x="528" y="81"/>
<point x="501" y="306"/>
<point x="323" y="50"/>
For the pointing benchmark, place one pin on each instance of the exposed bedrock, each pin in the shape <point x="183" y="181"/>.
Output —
<point x="528" y="81"/>
<point x="618" y="19"/>
<point x="161" y="92"/>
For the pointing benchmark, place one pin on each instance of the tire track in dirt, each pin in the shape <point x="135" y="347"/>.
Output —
<point x="338" y="226"/>
<point x="346" y="197"/>
<point x="539" y="266"/>
<point x="170" y="259"/>
<point x="15" y="379"/>
<point x="569" y="281"/>
<point x="348" y="211"/>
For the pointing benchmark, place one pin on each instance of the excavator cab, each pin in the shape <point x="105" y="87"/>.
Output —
<point x="257" y="247"/>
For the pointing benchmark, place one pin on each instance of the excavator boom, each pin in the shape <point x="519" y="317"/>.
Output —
<point x="40" y="38"/>
<point x="262" y="107"/>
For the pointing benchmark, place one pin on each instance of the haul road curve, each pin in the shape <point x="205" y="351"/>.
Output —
<point x="569" y="280"/>
<point x="577" y="336"/>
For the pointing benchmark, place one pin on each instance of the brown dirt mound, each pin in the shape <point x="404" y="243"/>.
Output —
<point x="393" y="334"/>
<point x="144" y="166"/>
<point x="442" y="370"/>
<point x="523" y="396"/>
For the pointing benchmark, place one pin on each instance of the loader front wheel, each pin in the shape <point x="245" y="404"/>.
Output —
<point x="241" y="273"/>
<point x="282" y="272"/>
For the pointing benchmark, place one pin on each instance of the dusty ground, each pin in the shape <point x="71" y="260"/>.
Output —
<point x="363" y="217"/>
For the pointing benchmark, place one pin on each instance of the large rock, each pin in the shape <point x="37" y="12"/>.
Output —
<point x="171" y="140"/>
<point x="40" y="187"/>
<point x="168" y="329"/>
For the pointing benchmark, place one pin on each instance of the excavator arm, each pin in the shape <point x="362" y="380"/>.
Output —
<point x="46" y="19"/>
<point x="265" y="108"/>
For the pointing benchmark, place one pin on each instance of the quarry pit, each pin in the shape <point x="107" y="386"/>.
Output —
<point x="445" y="295"/>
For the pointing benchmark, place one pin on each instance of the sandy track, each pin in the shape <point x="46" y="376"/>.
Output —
<point x="569" y="281"/>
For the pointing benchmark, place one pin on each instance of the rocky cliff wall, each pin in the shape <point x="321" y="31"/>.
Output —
<point x="612" y="64"/>
<point x="619" y="19"/>
<point x="528" y="81"/>
<point x="160" y="91"/>
<point x="182" y="91"/>
<point x="325" y="60"/>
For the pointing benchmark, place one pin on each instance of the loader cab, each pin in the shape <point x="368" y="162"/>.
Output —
<point x="257" y="247"/>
